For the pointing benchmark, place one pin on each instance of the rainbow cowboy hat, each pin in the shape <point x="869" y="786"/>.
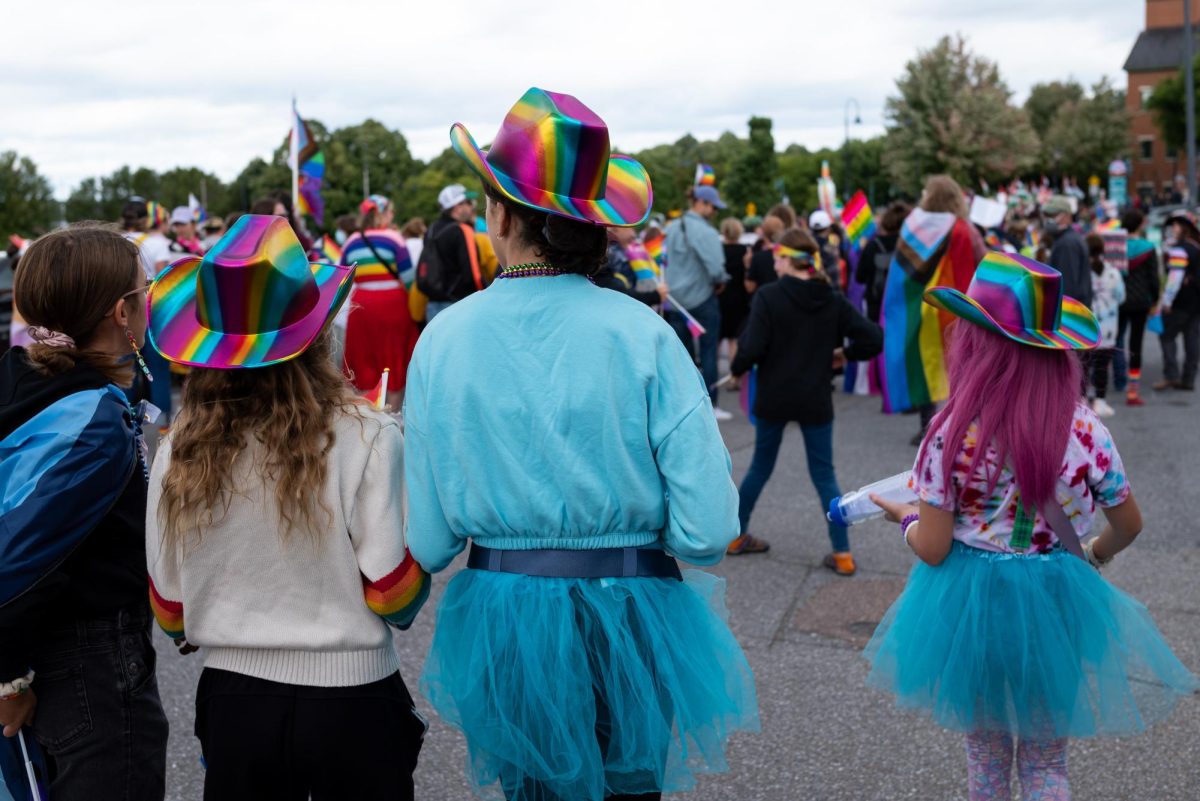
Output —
<point x="253" y="300"/>
<point x="1023" y="300"/>
<point x="552" y="153"/>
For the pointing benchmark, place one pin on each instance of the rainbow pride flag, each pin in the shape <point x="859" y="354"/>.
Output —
<point x="308" y="164"/>
<point x="858" y="220"/>
<point x="934" y="250"/>
<point x="378" y="397"/>
<point x="654" y="246"/>
<point x="705" y="175"/>
<point x="643" y="264"/>
<point x="693" y="324"/>
<point x="328" y="250"/>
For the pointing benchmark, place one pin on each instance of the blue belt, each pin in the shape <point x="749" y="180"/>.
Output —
<point x="553" y="563"/>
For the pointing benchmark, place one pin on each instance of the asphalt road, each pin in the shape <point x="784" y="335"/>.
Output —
<point x="826" y="737"/>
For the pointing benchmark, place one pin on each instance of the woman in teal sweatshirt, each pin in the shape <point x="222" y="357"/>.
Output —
<point x="564" y="429"/>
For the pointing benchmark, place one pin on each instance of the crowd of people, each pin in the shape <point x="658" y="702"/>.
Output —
<point x="553" y="377"/>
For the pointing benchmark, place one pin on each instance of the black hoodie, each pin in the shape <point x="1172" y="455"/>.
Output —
<point x="107" y="571"/>
<point x="794" y="327"/>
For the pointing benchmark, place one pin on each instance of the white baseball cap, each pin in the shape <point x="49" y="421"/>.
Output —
<point x="181" y="214"/>
<point x="819" y="220"/>
<point x="454" y="194"/>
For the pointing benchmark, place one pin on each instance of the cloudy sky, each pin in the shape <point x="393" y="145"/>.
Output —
<point x="84" y="90"/>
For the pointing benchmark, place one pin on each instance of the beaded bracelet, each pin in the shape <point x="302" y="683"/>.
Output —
<point x="906" y="523"/>
<point x="11" y="689"/>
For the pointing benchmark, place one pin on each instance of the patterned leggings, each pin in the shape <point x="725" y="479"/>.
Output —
<point x="1041" y="766"/>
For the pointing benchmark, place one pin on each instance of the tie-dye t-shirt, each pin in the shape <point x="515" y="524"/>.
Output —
<point x="1092" y="474"/>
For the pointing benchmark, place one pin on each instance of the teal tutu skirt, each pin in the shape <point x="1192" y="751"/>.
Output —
<point x="1039" y="646"/>
<point x="588" y="687"/>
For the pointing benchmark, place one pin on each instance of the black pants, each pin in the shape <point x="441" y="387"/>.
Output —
<point x="267" y="741"/>
<point x="1133" y="324"/>
<point x="99" y="718"/>
<point x="1186" y="323"/>
<point x="1101" y="358"/>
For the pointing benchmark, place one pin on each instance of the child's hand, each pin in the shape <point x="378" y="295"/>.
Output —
<point x="893" y="510"/>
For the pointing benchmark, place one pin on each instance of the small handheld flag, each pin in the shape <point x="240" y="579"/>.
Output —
<point x="858" y="220"/>
<point x="378" y="397"/>
<point x="329" y="250"/>
<point x="654" y="246"/>
<point x="692" y="323"/>
<point x="705" y="175"/>
<point x="643" y="266"/>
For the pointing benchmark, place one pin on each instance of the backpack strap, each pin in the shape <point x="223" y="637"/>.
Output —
<point x="1057" y="518"/>
<point x="472" y="254"/>
<point x="387" y="265"/>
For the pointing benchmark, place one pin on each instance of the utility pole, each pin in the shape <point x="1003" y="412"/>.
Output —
<point x="1189" y="98"/>
<point x="846" y="143"/>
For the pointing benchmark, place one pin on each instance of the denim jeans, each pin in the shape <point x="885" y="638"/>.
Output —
<point x="98" y="717"/>
<point x="708" y="314"/>
<point x="818" y="449"/>
<point x="435" y="307"/>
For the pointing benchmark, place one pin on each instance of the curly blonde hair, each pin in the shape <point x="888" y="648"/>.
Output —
<point x="289" y="409"/>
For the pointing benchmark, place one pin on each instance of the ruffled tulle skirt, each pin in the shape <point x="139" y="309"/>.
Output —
<point x="588" y="687"/>
<point x="1039" y="646"/>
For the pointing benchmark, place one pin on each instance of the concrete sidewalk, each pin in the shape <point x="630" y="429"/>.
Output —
<point x="825" y="736"/>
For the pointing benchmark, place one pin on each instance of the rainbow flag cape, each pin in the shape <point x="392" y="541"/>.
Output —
<point x="328" y="250"/>
<point x="309" y="162"/>
<point x="643" y="264"/>
<point x="827" y="192"/>
<point x="705" y="175"/>
<point x="934" y="250"/>
<point x="378" y="397"/>
<point x="858" y="220"/>
<point x="654" y="246"/>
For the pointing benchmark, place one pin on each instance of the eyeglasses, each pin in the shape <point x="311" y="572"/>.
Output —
<point x="140" y="290"/>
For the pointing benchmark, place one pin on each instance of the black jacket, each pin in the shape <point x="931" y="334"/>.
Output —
<point x="107" y="570"/>
<point x="1141" y="282"/>
<point x="446" y="239"/>
<point x="794" y="327"/>
<point x="872" y="270"/>
<point x="1069" y="255"/>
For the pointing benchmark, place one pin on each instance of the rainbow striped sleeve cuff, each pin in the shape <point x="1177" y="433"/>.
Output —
<point x="398" y="596"/>
<point x="169" y="614"/>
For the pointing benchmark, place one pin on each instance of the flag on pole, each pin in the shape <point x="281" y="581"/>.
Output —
<point x="308" y="170"/>
<point x="827" y="192"/>
<point x="692" y="323"/>
<point x="654" y="247"/>
<point x="640" y="261"/>
<point x="329" y="250"/>
<point x="705" y="175"/>
<point x="858" y="220"/>
<point x="378" y="397"/>
<point x="199" y="215"/>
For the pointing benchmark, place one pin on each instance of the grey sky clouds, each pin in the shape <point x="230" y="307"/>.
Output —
<point x="85" y="89"/>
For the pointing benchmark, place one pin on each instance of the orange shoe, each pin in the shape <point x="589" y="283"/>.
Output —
<point x="747" y="544"/>
<point x="1134" y="399"/>
<point x="841" y="562"/>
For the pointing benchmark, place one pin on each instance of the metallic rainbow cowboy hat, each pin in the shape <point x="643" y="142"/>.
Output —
<point x="552" y="154"/>
<point x="253" y="300"/>
<point x="1023" y="300"/>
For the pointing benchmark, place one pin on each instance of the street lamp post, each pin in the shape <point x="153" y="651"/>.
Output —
<point x="1189" y="96"/>
<point x="846" y="142"/>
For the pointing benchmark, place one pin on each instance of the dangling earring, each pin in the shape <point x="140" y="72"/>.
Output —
<point x="137" y="354"/>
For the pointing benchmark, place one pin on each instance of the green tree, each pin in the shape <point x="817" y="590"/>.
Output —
<point x="369" y="148"/>
<point x="176" y="184"/>
<point x="1045" y="100"/>
<point x="953" y="115"/>
<point x="752" y="179"/>
<point x="27" y="204"/>
<point x="1167" y="102"/>
<point x="1086" y="134"/>
<point x="84" y="202"/>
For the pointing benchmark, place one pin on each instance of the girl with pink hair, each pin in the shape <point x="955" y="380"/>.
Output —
<point x="1002" y="632"/>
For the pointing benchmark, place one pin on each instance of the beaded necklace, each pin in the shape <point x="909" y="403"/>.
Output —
<point x="530" y="270"/>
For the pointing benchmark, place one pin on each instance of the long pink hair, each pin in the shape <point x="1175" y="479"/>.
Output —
<point x="1023" y="400"/>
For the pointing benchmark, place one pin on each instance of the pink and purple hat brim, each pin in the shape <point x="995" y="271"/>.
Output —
<point x="1078" y="329"/>
<point x="175" y="331"/>
<point x="628" y="195"/>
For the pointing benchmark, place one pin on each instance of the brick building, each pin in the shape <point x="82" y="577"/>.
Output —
<point x="1157" y="54"/>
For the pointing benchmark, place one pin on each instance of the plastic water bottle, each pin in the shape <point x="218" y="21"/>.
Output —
<point x="855" y="507"/>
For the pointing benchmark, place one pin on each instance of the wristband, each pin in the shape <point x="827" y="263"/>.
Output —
<point x="1093" y="560"/>
<point x="11" y="689"/>
<point x="906" y="523"/>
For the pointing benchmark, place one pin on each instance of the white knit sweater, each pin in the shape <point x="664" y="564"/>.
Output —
<point x="296" y="610"/>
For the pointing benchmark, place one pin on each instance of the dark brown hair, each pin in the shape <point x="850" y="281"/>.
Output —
<point x="69" y="281"/>
<point x="570" y="245"/>
<point x="784" y="212"/>
<point x="413" y="229"/>
<point x="893" y="216"/>
<point x="1132" y="220"/>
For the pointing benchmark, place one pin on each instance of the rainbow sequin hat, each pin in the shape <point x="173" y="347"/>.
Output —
<point x="253" y="300"/>
<point x="552" y="154"/>
<point x="1023" y="300"/>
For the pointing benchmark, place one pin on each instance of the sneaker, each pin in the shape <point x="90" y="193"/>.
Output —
<point x="1133" y="399"/>
<point x="721" y="414"/>
<point x="841" y="562"/>
<point x="747" y="544"/>
<point x="1102" y="409"/>
<point x="1164" y="384"/>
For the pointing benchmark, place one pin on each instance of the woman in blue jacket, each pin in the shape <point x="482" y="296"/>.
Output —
<point x="564" y="429"/>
